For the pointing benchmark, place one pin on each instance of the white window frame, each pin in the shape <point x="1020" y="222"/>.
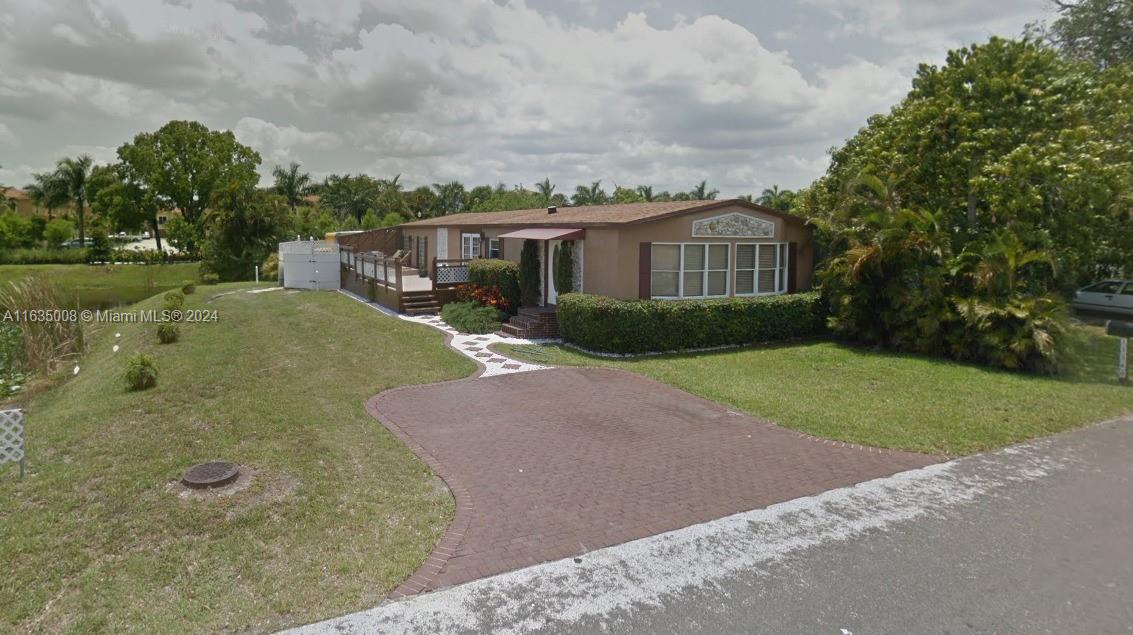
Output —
<point x="497" y="248"/>
<point x="681" y="273"/>
<point x="464" y="253"/>
<point x="782" y="273"/>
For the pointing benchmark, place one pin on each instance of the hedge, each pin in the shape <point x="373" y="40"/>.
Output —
<point x="609" y="325"/>
<point x="493" y="272"/>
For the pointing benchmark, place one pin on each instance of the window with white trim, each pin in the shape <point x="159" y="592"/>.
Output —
<point x="493" y="247"/>
<point x="689" y="270"/>
<point x="469" y="246"/>
<point x="761" y="268"/>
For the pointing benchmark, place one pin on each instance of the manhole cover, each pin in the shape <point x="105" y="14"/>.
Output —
<point x="211" y="474"/>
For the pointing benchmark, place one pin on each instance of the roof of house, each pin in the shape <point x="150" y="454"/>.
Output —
<point x="594" y="215"/>
<point x="14" y="193"/>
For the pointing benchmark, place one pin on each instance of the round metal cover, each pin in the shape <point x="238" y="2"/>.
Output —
<point x="211" y="474"/>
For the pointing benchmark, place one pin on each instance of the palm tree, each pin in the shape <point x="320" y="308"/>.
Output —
<point x="775" y="198"/>
<point x="291" y="183"/>
<point x="350" y="195"/>
<point x="592" y="195"/>
<point x="747" y="197"/>
<point x="646" y="192"/>
<point x="546" y="189"/>
<point x="72" y="174"/>
<point x="700" y="192"/>
<point x="47" y="191"/>
<point x="450" y="197"/>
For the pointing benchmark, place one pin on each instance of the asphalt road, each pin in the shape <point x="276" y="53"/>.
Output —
<point x="1034" y="539"/>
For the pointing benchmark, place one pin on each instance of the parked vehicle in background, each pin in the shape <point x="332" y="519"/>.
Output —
<point x="1109" y="296"/>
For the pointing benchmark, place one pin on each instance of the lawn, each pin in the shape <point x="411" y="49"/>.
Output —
<point x="885" y="399"/>
<point x="107" y="286"/>
<point x="339" y="511"/>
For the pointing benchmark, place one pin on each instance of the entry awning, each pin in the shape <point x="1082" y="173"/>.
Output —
<point x="546" y="233"/>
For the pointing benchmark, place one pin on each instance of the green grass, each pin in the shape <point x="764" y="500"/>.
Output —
<point x="339" y="511"/>
<point x="107" y="286"/>
<point x="885" y="399"/>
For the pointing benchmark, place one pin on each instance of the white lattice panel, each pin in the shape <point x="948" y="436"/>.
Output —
<point x="11" y="435"/>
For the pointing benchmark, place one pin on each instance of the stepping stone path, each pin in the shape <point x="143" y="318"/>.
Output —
<point x="472" y="346"/>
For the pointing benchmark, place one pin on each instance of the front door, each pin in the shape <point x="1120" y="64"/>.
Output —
<point x="552" y="259"/>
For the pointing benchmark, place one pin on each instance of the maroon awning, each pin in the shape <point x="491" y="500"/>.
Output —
<point x="546" y="233"/>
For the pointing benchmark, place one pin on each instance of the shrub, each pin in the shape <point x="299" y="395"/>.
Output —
<point x="188" y="287"/>
<point x="270" y="269"/>
<point x="530" y="285"/>
<point x="502" y="275"/>
<point x="564" y="267"/>
<point x="637" y="326"/>
<point x="58" y="231"/>
<point x="140" y="372"/>
<point x="209" y="278"/>
<point x="99" y="246"/>
<point x="168" y="332"/>
<point x="174" y="299"/>
<point x="472" y="317"/>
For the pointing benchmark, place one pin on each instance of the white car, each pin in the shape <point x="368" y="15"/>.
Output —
<point x="1109" y="296"/>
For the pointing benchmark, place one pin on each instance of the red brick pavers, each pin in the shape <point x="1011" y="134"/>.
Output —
<point x="555" y="463"/>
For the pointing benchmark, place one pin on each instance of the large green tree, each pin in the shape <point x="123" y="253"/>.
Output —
<point x="592" y="194"/>
<point x="1096" y="31"/>
<point x="184" y="164"/>
<point x="1005" y="135"/>
<point x="243" y="226"/>
<point x="776" y="198"/>
<point x="126" y="205"/>
<point x="350" y="196"/>
<point x="700" y="192"/>
<point x="451" y="197"/>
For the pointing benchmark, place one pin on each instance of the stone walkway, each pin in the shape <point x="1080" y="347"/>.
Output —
<point x="472" y="346"/>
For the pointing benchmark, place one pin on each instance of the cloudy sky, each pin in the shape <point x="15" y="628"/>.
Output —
<point x="743" y="93"/>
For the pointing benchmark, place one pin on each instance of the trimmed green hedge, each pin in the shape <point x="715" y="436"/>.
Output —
<point x="493" y="272"/>
<point x="609" y="325"/>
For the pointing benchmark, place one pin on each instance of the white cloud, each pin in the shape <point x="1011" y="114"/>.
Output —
<point x="8" y="139"/>
<point x="477" y="90"/>
<point x="281" y="144"/>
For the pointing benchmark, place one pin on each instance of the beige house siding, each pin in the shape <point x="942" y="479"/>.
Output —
<point x="612" y="253"/>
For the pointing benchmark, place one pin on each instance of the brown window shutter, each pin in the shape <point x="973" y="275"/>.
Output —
<point x="792" y="267"/>
<point x="644" y="267"/>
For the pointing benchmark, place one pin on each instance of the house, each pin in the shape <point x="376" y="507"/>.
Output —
<point x="668" y="250"/>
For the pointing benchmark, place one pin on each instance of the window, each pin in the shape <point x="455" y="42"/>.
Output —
<point x="761" y="268"/>
<point x="1108" y="287"/>
<point x="689" y="270"/>
<point x="469" y="246"/>
<point x="1128" y="290"/>
<point x="493" y="247"/>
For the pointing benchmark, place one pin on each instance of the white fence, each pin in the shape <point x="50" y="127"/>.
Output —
<point x="12" y="437"/>
<point x="309" y="264"/>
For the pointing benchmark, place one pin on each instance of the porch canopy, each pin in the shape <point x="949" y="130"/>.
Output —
<point x="546" y="233"/>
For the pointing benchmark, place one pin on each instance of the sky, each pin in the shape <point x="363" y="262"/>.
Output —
<point x="745" y="94"/>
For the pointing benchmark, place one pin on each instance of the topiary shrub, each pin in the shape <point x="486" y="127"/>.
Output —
<point x="209" y="278"/>
<point x="564" y="267"/>
<point x="609" y="325"/>
<point x="472" y="317"/>
<point x="501" y="275"/>
<point x="530" y="285"/>
<point x="188" y="287"/>
<point x="168" y="332"/>
<point x="140" y="373"/>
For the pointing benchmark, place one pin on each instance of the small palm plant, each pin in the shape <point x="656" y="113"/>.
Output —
<point x="140" y="373"/>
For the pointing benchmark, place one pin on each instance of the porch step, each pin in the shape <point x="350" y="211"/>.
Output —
<point x="532" y="323"/>
<point x="420" y="303"/>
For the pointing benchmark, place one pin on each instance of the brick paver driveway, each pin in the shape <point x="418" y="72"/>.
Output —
<point x="555" y="463"/>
